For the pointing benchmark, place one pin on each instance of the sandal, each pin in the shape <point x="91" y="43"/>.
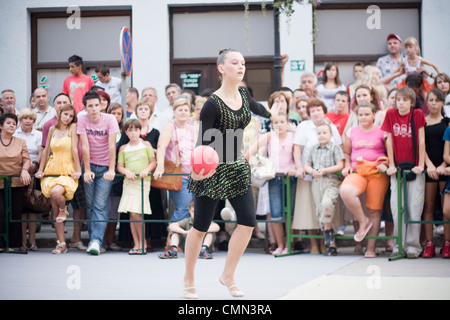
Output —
<point x="61" y="247"/>
<point x="33" y="247"/>
<point x="169" y="254"/>
<point x="137" y="251"/>
<point x="329" y="236"/>
<point x="133" y="251"/>
<point x="363" y="235"/>
<point x="63" y="218"/>
<point x="331" y="251"/>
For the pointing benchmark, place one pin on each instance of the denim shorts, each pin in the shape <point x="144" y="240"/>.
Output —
<point x="276" y="197"/>
<point x="446" y="188"/>
<point x="181" y="199"/>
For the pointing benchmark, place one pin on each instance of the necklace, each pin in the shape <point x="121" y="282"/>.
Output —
<point x="6" y="145"/>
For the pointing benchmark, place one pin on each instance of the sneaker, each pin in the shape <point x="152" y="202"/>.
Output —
<point x="341" y="230"/>
<point x="277" y="252"/>
<point x="204" y="254"/>
<point x="114" y="247"/>
<point x="446" y="250"/>
<point x="93" y="248"/>
<point x="77" y="245"/>
<point x="430" y="250"/>
<point x="412" y="254"/>
<point x="259" y="235"/>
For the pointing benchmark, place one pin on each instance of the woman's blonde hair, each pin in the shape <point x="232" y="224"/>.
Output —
<point x="181" y="102"/>
<point x="412" y="42"/>
<point x="369" y="76"/>
<point x="199" y="102"/>
<point x="27" y="113"/>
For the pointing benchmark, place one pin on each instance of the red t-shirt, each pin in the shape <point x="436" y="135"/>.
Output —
<point x="76" y="88"/>
<point x="400" y="129"/>
<point x="338" y="120"/>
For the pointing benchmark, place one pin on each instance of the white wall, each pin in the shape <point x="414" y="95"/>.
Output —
<point x="15" y="49"/>
<point x="436" y="33"/>
<point x="151" y="46"/>
<point x="150" y="34"/>
<point x="296" y="41"/>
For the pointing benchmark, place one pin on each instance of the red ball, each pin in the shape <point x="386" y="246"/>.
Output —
<point x="204" y="157"/>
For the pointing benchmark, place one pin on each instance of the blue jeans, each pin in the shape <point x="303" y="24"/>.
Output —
<point x="276" y="197"/>
<point x="97" y="198"/>
<point x="181" y="199"/>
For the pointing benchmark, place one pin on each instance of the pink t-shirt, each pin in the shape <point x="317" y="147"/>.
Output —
<point x="98" y="136"/>
<point x="186" y="143"/>
<point x="281" y="153"/>
<point x="368" y="145"/>
<point x="75" y="88"/>
<point x="46" y="129"/>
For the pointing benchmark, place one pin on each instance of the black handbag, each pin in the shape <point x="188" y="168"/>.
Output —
<point x="407" y="166"/>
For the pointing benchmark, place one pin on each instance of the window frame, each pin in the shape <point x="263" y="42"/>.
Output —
<point x="61" y="13"/>
<point x="342" y="5"/>
<point x="252" y="62"/>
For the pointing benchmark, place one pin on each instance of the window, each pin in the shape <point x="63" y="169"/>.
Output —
<point x="199" y="33"/>
<point x="343" y="34"/>
<point x="98" y="30"/>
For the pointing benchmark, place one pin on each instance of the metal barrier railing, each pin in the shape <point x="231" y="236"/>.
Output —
<point x="401" y="205"/>
<point x="401" y="214"/>
<point x="8" y="211"/>
<point x="290" y="236"/>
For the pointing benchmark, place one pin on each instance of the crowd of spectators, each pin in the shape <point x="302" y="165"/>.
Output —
<point x="341" y="146"/>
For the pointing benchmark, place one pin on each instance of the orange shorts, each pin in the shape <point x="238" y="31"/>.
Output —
<point x="375" y="187"/>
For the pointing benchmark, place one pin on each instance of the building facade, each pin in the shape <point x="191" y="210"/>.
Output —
<point x="178" y="41"/>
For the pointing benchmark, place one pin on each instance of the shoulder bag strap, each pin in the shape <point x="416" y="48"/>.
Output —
<point x="176" y="144"/>
<point x="413" y="135"/>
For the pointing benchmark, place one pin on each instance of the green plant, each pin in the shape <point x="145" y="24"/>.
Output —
<point x="286" y="7"/>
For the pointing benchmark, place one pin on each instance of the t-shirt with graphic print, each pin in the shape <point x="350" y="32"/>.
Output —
<point x="76" y="87"/>
<point x="98" y="136"/>
<point x="400" y="129"/>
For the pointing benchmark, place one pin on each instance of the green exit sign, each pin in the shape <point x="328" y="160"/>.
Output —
<point x="297" y="65"/>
